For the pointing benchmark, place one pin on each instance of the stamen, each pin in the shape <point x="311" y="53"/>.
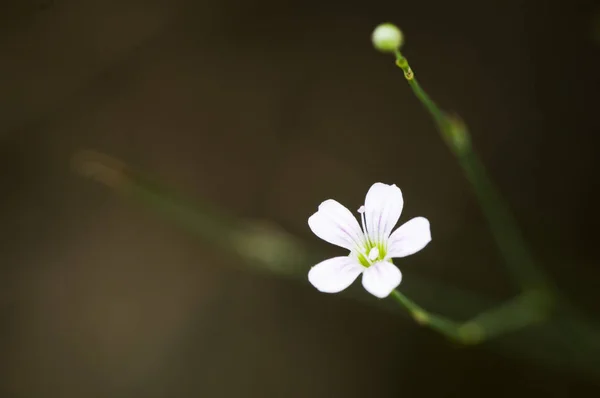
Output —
<point x="361" y="210"/>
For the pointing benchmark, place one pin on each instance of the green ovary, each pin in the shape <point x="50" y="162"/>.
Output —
<point x="363" y="258"/>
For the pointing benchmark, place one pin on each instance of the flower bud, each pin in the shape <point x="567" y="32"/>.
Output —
<point x="387" y="38"/>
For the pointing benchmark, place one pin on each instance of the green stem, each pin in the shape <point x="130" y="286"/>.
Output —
<point x="524" y="310"/>
<point x="452" y="129"/>
<point x="537" y="299"/>
<point x="517" y="256"/>
<point x="438" y="323"/>
<point x="504" y="228"/>
<point x="433" y="109"/>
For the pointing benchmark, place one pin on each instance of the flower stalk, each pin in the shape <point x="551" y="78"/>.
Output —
<point x="506" y="233"/>
<point x="508" y="237"/>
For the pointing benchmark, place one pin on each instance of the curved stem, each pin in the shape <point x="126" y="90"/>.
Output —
<point x="524" y="310"/>
<point x="443" y="325"/>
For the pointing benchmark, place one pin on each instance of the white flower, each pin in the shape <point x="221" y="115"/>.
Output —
<point x="372" y="247"/>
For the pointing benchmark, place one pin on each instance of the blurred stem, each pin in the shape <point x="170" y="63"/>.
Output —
<point x="503" y="226"/>
<point x="568" y="339"/>
<point x="537" y="299"/>
<point x="524" y="310"/>
<point x="438" y="323"/>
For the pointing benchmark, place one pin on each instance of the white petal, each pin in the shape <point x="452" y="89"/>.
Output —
<point x="335" y="274"/>
<point x="409" y="238"/>
<point x="383" y="206"/>
<point x="337" y="225"/>
<point x="381" y="278"/>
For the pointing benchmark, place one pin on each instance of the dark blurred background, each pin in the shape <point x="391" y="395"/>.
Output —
<point x="267" y="108"/>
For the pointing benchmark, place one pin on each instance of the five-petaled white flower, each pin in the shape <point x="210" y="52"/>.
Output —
<point x="372" y="247"/>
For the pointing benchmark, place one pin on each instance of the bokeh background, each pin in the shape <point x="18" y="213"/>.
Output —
<point x="267" y="108"/>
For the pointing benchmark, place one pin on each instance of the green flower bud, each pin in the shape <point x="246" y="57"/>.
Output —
<point x="387" y="38"/>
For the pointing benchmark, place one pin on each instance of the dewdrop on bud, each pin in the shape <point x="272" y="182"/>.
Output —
<point x="387" y="38"/>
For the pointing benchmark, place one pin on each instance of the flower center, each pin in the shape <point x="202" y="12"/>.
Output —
<point x="371" y="254"/>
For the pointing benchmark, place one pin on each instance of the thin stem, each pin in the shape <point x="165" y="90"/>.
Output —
<point x="524" y="310"/>
<point x="504" y="228"/>
<point x="537" y="298"/>
<point x="443" y="325"/>
<point x="505" y="231"/>
<point x="435" y="111"/>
